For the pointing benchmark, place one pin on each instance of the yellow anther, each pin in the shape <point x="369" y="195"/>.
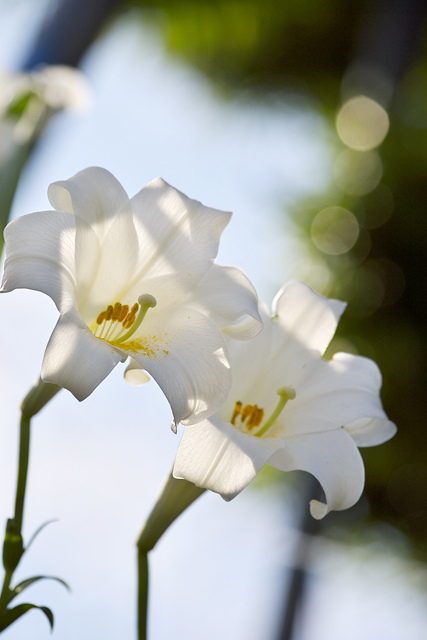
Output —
<point x="124" y="312"/>
<point x="250" y="423"/>
<point x="246" y="411"/>
<point x="236" y="412"/>
<point x="116" y="311"/>
<point x="131" y="316"/>
<point x="111" y="318"/>
<point x="145" y="302"/>
<point x="257" y="417"/>
<point x="129" y="320"/>
<point x="100" y="319"/>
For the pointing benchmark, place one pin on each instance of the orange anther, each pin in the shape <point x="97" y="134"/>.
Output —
<point x="258" y="417"/>
<point x="237" y="411"/>
<point x="100" y="319"/>
<point x="246" y="411"/>
<point x="124" y="312"/>
<point x="116" y="311"/>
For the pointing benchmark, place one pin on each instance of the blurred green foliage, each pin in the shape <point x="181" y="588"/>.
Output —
<point x="303" y="48"/>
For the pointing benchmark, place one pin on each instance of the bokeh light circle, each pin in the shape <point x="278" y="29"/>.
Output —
<point x="362" y="123"/>
<point x="335" y="230"/>
<point x="358" y="172"/>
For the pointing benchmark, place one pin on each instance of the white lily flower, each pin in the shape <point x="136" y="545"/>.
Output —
<point x="133" y="277"/>
<point x="58" y="86"/>
<point x="291" y="408"/>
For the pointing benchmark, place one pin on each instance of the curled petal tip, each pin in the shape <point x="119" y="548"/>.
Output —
<point x="318" y="509"/>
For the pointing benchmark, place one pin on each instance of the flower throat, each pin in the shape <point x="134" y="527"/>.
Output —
<point x="253" y="415"/>
<point x="118" y="323"/>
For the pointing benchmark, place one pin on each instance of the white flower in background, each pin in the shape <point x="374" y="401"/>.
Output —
<point x="26" y="99"/>
<point x="291" y="408"/>
<point x="60" y="87"/>
<point x="134" y="277"/>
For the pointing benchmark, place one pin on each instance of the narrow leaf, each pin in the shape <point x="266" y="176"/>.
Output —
<point x="11" y="615"/>
<point x="36" y="533"/>
<point x="27" y="583"/>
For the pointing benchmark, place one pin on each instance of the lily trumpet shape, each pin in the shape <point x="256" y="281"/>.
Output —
<point x="291" y="408"/>
<point x="134" y="277"/>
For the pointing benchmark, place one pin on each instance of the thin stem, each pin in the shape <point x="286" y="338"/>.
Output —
<point x="177" y="495"/>
<point x="24" y="453"/>
<point x="5" y="591"/>
<point x="142" y="594"/>
<point x="13" y="547"/>
<point x="35" y="400"/>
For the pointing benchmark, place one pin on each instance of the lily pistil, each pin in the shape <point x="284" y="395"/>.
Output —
<point x="252" y="416"/>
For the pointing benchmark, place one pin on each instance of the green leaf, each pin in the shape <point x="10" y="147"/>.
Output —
<point x="27" y="583"/>
<point x="18" y="107"/>
<point x="11" y="615"/>
<point x="36" y="533"/>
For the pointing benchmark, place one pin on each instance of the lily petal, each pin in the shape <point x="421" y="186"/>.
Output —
<point x="179" y="238"/>
<point x="117" y="264"/>
<point x="333" y="394"/>
<point x="41" y="255"/>
<point x="135" y="375"/>
<point x="194" y="374"/>
<point x="331" y="457"/>
<point x="229" y="298"/>
<point x="75" y="359"/>
<point x="215" y="455"/>
<point x="368" y="432"/>
<point x="307" y="317"/>
<point x="251" y="368"/>
<point x="93" y="194"/>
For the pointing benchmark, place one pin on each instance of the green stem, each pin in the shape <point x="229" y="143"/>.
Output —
<point x="9" y="177"/>
<point x="13" y="547"/>
<point x="176" y="496"/>
<point x="142" y="594"/>
<point x="24" y="453"/>
<point x="5" y="591"/>
<point x="35" y="400"/>
<point x="12" y="167"/>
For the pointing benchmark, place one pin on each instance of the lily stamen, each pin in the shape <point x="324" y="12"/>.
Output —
<point x="236" y="413"/>
<point x="246" y="412"/>
<point x="118" y="323"/>
<point x="146" y="301"/>
<point x="100" y="321"/>
<point x="114" y="317"/>
<point x="285" y="393"/>
<point x="255" y="418"/>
